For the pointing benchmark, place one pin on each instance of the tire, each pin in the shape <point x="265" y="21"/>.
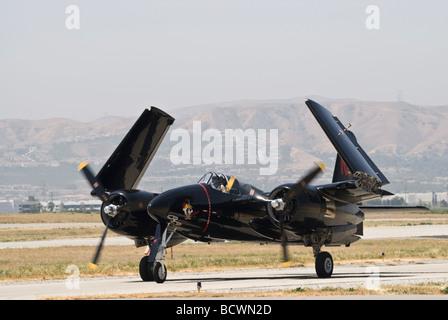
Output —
<point x="159" y="272"/>
<point x="324" y="265"/>
<point x="145" y="269"/>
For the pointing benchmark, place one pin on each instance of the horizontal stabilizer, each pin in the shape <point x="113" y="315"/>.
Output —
<point x="392" y="209"/>
<point x="346" y="144"/>
<point x="350" y="192"/>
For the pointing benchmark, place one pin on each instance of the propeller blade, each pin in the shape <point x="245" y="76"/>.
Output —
<point x="295" y="190"/>
<point x="98" y="188"/>
<point x="300" y="186"/>
<point x="99" y="191"/>
<point x="260" y="196"/>
<point x="93" y="265"/>
<point x="280" y="203"/>
<point x="286" y="262"/>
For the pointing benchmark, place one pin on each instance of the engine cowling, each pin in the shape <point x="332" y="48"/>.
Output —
<point x="127" y="215"/>
<point x="289" y="207"/>
<point x="304" y="211"/>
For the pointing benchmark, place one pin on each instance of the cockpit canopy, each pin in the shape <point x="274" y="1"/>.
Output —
<point x="220" y="182"/>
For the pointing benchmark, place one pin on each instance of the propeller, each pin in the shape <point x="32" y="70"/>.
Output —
<point x="286" y="261"/>
<point x="298" y="187"/>
<point x="99" y="191"/>
<point x="98" y="188"/>
<point x="280" y="204"/>
<point x="93" y="265"/>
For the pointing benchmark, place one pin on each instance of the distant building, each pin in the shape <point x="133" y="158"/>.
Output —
<point x="82" y="206"/>
<point x="7" y="206"/>
<point x="30" y="206"/>
<point x="424" y="198"/>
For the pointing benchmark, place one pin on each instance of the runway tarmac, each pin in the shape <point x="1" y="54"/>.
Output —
<point x="345" y="276"/>
<point x="248" y="280"/>
<point x="372" y="233"/>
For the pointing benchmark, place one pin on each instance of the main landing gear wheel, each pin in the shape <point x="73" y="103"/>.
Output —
<point x="324" y="265"/>
<point x="159" y="272"/>
<point x="145" y="270"/>
<point x="152" y="271"/>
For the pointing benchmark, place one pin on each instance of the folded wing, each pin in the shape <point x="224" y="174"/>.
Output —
<point x="128" y="163"/>
<point x="345" y="143"/>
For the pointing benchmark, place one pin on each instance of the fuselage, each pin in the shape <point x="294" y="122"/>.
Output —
<point x="207" y="214"/>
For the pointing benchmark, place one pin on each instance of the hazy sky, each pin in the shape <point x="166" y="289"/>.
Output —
<point x="127" y="55"/>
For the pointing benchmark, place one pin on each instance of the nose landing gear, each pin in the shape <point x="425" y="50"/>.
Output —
<point x="152" y="271"/>
<point x="151" y="268"/>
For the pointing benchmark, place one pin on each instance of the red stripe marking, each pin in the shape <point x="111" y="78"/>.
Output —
<point x="209" y="207"/>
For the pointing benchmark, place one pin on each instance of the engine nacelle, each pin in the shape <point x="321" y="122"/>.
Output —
<point x="302" y="213"/>
<point x="288" y="208"/>
<point x="127" y="215"/>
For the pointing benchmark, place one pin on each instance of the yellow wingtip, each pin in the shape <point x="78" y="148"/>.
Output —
<point x="93" y="266"/>
<point x="82" y="165"/>
<point x="321" y="165"/>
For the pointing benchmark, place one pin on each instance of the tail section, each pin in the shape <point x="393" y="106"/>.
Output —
<point x="354" y="157"/>
<point x="341" y="171"/>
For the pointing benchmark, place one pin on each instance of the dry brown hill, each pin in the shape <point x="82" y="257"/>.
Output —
<point x="409" y="143"/>
<point x="396" y="127"/>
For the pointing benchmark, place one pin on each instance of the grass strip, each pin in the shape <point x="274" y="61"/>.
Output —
<point x="52" y="263"/>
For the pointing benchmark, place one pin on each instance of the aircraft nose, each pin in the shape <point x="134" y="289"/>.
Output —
<point x="159" y="207"/>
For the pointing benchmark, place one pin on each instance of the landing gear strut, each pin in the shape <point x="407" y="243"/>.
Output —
<point x="151" y="268"/>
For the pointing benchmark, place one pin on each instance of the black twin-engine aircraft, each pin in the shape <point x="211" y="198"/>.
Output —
<point x="221" y="207"/>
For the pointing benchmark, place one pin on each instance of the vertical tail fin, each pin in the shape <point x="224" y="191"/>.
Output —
<point x="341" y="171"/>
